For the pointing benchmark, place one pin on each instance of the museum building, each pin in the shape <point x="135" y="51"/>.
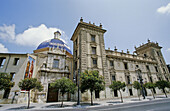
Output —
<point x="53" y="60"/>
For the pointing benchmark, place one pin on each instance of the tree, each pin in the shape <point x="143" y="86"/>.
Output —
<point x="64" y="85"/>
<point x="162" y="85"/>
<point x="5" y="81"/>
<point x="117" y="85"/>
<point x="29" y="84"/>
<point x="150" y="86"/>
<point x="137" y="86"/>
<point x="91" y="80"/>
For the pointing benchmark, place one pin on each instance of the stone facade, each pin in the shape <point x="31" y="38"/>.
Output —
<point x="89" y="53"/>
<point x="53" y="60"/>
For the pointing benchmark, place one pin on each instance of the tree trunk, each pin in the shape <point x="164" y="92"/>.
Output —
<point x="28" y="99"/>
<point x="153" y="93"/>
<point x="138" y="94"/>
<point x="121" y="96"/>
<point x="62" y="100"/>
<point x="91" y="97"/>
<point x="165" y="93"/>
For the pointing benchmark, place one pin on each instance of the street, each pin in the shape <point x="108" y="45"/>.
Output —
<point x="156" y="105"/>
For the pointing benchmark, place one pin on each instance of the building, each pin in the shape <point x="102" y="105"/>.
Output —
<point x="89" y="53"/>
<point x="53" y="59"/>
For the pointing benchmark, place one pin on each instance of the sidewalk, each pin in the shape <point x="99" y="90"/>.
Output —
<point x="68" y="105"/>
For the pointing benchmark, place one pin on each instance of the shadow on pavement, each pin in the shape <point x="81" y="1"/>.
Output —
<point x="21" y="108"/>
<point x="74" y="105"/>
<point x="160" y="97"/>
<point x="114" y="102"/>
<point x="56" y="106"/>
<point x="135" y="100"/>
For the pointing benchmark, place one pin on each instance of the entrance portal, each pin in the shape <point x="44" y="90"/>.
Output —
<point x="52" y="95"/>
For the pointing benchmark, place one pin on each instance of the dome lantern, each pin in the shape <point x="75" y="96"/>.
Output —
<point x="57" y="35"/>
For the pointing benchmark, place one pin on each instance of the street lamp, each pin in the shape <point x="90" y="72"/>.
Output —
<point x="78" y="83"/>
<point x="139" y="75"/>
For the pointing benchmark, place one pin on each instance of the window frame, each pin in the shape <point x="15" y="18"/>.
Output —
<point x="55" y="64"/>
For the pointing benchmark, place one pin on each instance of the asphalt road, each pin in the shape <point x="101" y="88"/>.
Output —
<point x="154" y="105"/>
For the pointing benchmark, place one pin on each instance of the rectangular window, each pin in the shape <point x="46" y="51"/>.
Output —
<point x="12" y="75"/>
<point x="113" y="78"/>
<point x="156" y="68"/>
<point x="92" y="38"/>
<point x="158" y="53"/>
<point x="111" y="63"/>
<point x="93" y="50"/>
<point x="151" y="79"/>
<point x="147" y="67"/>
<point x="2" y="61"/>
<point x="76" y="53"/>
<point x="128" y="79"/>
<point x="56" y="63"/>
<point x="125" y="65"/>
<point x="16" y="61"/>
<point x="94" y="62"/>
<point x="161" y="61"/>
<point x="75" y="67"/>
<point x="164" y="70"/>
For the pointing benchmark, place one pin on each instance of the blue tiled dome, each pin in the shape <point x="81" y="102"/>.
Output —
<point x="54" y="43"/>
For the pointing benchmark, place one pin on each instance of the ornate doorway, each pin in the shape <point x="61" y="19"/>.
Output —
<point x="52" y="95"/>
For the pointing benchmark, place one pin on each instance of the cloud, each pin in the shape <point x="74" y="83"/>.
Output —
<point x="7" y="32"/>
<point x="164" y="9"/>
<point x="3" y="49"/>
<point x="168" y="50"/>
<point x="32" y="36"/>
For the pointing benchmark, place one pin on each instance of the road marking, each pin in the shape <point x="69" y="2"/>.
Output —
<point x="128" y="106"/>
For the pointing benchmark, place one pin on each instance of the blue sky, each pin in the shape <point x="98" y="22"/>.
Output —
<point x="26" y="23"/>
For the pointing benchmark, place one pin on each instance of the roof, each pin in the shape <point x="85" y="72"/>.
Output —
<point x="54" y="43"/>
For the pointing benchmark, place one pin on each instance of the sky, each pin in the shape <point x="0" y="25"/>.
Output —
<point x="24" y="24"/>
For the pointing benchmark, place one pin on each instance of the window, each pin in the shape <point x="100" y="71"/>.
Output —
<point x="125" y="65"/>
<point x="75" y="66"/>
<point x="164" y="70"/>
<point x="12" y="75"/>
<point x="161" y="61"/>
<point x="156" y="68"/>
<point x="76" y="53"/>
<point x="147" y="67"/>
<point x="94" y="62"/>
<point x="93" y="50"/>
<point x="145" y="55"/>
<point x="111" y="63"/>
<point x="97" y="95"/>
<point x="75" y="42"/>
<point x="16" y="61"/>
<point x="56" y="63"/>
<point x="128" y="79"/>
<point x="93" y="38"/>
<point x="151" y="79"/>
<point x="158" y="53"/>
<point x="2" y="61"/>
<point x="137" y="66"/>
<point x="113" y="78"/>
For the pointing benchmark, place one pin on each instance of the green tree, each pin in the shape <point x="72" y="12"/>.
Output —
<point x="91" y="80"/>
<point x="137" y="86"/>
<point x="64" y="85"/>
<point x="5" y="81"/>
<point x="117" y="85"/>
<point x="162" y="85"/>
<point x="29" y="84"/>
<point x="150" y="86"/>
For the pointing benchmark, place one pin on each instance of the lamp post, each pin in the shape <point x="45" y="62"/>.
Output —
<point x="138" y="72"/>
<point x="78" y="83"/>
<point x="78" y="91"/>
